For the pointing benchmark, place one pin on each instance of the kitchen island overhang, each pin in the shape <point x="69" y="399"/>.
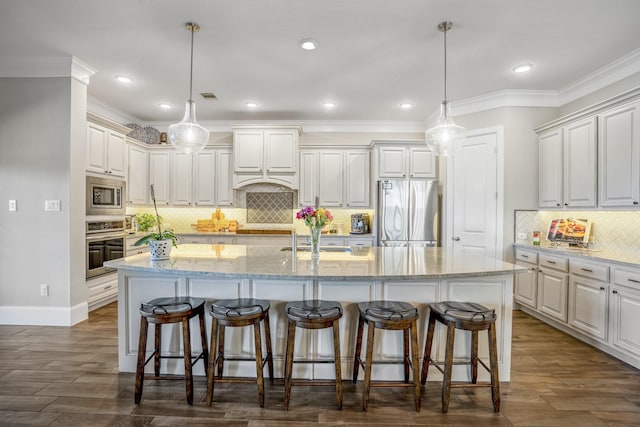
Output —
<point x="417" y="275"/>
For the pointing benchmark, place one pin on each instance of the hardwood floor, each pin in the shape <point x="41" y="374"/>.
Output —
<point x="58" y="376"/>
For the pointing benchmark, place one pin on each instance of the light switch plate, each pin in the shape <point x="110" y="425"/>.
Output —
<point x="13" y="205"/>
<point x="52" y="205"/>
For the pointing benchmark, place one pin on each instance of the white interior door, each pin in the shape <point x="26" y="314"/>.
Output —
<point x="474" y="193"/>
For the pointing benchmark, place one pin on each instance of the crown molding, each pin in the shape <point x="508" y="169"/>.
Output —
<point x="611" y="73"/>
<point x="68" y="66"/>
<point x="101" y="108"/>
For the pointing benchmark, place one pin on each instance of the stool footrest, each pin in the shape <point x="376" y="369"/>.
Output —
<point x="391" y="384"/>
<point x="315" y="361"/>
<point x="324" y="383"/>
<point x="467" y="385"/>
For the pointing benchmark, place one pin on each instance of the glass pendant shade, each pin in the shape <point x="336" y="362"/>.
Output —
<point x="188" y="136"/>
<point x="446" y="137"/>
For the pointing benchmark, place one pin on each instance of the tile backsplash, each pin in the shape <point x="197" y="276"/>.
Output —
<point x="611" y="230"/>
<point x="269" y="208"/>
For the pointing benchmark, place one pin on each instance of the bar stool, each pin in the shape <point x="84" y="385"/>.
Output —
<point x="390" y="315"/>
<point x="469" y="317"/>
<point x="162" y="311"/>
<point x="313" y="314"/>
<point x="237" y="313"/>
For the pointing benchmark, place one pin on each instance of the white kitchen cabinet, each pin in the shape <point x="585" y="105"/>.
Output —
<point x="181" y="179"/>
<point x="308" y="185"/>
<point x="106" y="150"/>
<point x="567" y="166"/>
<point x="204" y="178"/>
<point x="131" y="249"/>
<point x="526" y="284"/>
<point x="138" y="176"/>
<point x="625" y="311"/>
<point x="588" y="306"/>
<point x="102" y="290"/>
<point x="331" y="178"/>
<point x="553" y="283"/>
<point x="223" y="178"/>
<point x="411" y="162"/>
<point x="550" y="169"/>
<point x="160" y="176"/>
<point x="339" y="178"/>
<point x="580" y="150"/>
<point x="265" y="155"/>
<point x="619" y="156"/>
<point x="357" y="179"/>
<point x="359" y="242"/>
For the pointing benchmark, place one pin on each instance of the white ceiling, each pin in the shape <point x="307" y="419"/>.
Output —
<point x="372" y="54"/>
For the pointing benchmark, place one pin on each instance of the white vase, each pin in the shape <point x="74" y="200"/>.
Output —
<point x="160" y="249"/>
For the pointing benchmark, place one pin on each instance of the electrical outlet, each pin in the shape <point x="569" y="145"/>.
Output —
<point x="52" y="205"/>
<point x="522" y="235"/>
<point x="44" y="290"/>
<point x="13" y="205"/>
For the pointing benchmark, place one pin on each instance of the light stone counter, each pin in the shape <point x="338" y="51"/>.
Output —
<point x="417" y="275"/>
<point x="629" y="258"/>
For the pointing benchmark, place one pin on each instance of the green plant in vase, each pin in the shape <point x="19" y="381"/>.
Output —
<point x="146" y="221"/>
<point x="159" y="243"/>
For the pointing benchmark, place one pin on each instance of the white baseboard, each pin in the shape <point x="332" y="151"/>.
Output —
<point x="44" y="316"/>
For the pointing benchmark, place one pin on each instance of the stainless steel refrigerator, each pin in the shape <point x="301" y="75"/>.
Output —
<point x="407" y="213"/>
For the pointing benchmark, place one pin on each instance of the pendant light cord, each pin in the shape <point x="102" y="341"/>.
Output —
<point x="193" y="27"/>
<point x="445" y="63"/>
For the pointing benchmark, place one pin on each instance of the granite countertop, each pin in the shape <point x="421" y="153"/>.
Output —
<point x="341" y="263"/>
<point x="624" y="258"/>
<point x="263" y="233"/>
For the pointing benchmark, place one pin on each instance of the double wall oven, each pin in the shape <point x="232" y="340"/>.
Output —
<point x="105" y="224"/>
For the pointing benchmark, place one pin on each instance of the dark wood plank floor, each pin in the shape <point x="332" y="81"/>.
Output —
<point x="58" y="376"/>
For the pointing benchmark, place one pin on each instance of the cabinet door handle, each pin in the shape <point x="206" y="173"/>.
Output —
<point x="558" y="204"/>
<point x="566" y="204"/>
<point x="615" y="292"/>
<point x="635" y="203"/>
<point x="524" y="256"/>
<point x="602" y="288"/>
<point x="551" y="262"/>
<point x="587" y="270"/>
<point x="456" y="239"/>
<point x="634" y="280"/>
<point x="108" y="287"/>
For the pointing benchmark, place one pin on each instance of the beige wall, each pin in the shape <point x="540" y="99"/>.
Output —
<point x="42" y="157"/>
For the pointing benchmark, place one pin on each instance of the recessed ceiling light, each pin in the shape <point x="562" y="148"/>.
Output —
<point x="251" y="104"/>
<point x="165" y="105"/>
<point x="124" y="79"/>
<point x="308" y="44"/>
<point x="522" y="68"/>
<point x="406" y="105"/>
<point x="329" y="105"/>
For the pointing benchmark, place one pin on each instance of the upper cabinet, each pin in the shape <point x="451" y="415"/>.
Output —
<point x="567" y="166"/>
<point x="405" y="162"/>
<point x="265" y="155"/>
<point x="106" y="146"/>
<point x="198" y="179"/>
<point x="138" y="176"/>
<point x="619" y="156"/>
<point x="592" y="158"/>
<point x="339" y="178"/>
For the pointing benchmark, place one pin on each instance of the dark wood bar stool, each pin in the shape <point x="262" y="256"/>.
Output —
<point x="238" y="313"/>
<point x="162" y="311"/>
<point x="313" y="314"/>
<point x="389" y="315"/>
<point x="469" y="317"/>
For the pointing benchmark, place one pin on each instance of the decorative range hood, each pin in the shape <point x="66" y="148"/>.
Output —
<point x="266" y="154"/>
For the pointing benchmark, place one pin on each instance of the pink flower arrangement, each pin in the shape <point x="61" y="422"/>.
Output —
<point x="315" y="217"/>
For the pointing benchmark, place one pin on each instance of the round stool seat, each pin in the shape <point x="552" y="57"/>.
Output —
<point x="242" y="308"/>
<point x="170" y="306"/>
<point x="465" y="315"/>
<point x="313" y="310"/>
<point x="387" y="311"/>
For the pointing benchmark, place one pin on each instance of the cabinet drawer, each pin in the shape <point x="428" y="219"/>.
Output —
<point x="629" y="278"/>
<point x="103" y="288"/>
<point x="554" y="262"/>
<point x="527" y="256"/>
<point x="592" y="271"/>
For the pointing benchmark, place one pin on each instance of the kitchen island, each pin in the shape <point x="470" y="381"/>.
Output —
<point x="346" y="274"/>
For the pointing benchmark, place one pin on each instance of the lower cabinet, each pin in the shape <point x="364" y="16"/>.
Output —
<point x="102" y="290"/>
<point x="592" y="299"/>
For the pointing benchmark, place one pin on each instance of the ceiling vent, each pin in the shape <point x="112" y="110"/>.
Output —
<point x="208" y="95"/>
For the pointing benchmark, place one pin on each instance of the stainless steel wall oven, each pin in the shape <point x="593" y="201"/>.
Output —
<point x="105" y="242"/>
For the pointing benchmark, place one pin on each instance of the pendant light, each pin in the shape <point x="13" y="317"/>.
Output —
<point x="188" y="136"/>
<point x="445" y="138"/>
